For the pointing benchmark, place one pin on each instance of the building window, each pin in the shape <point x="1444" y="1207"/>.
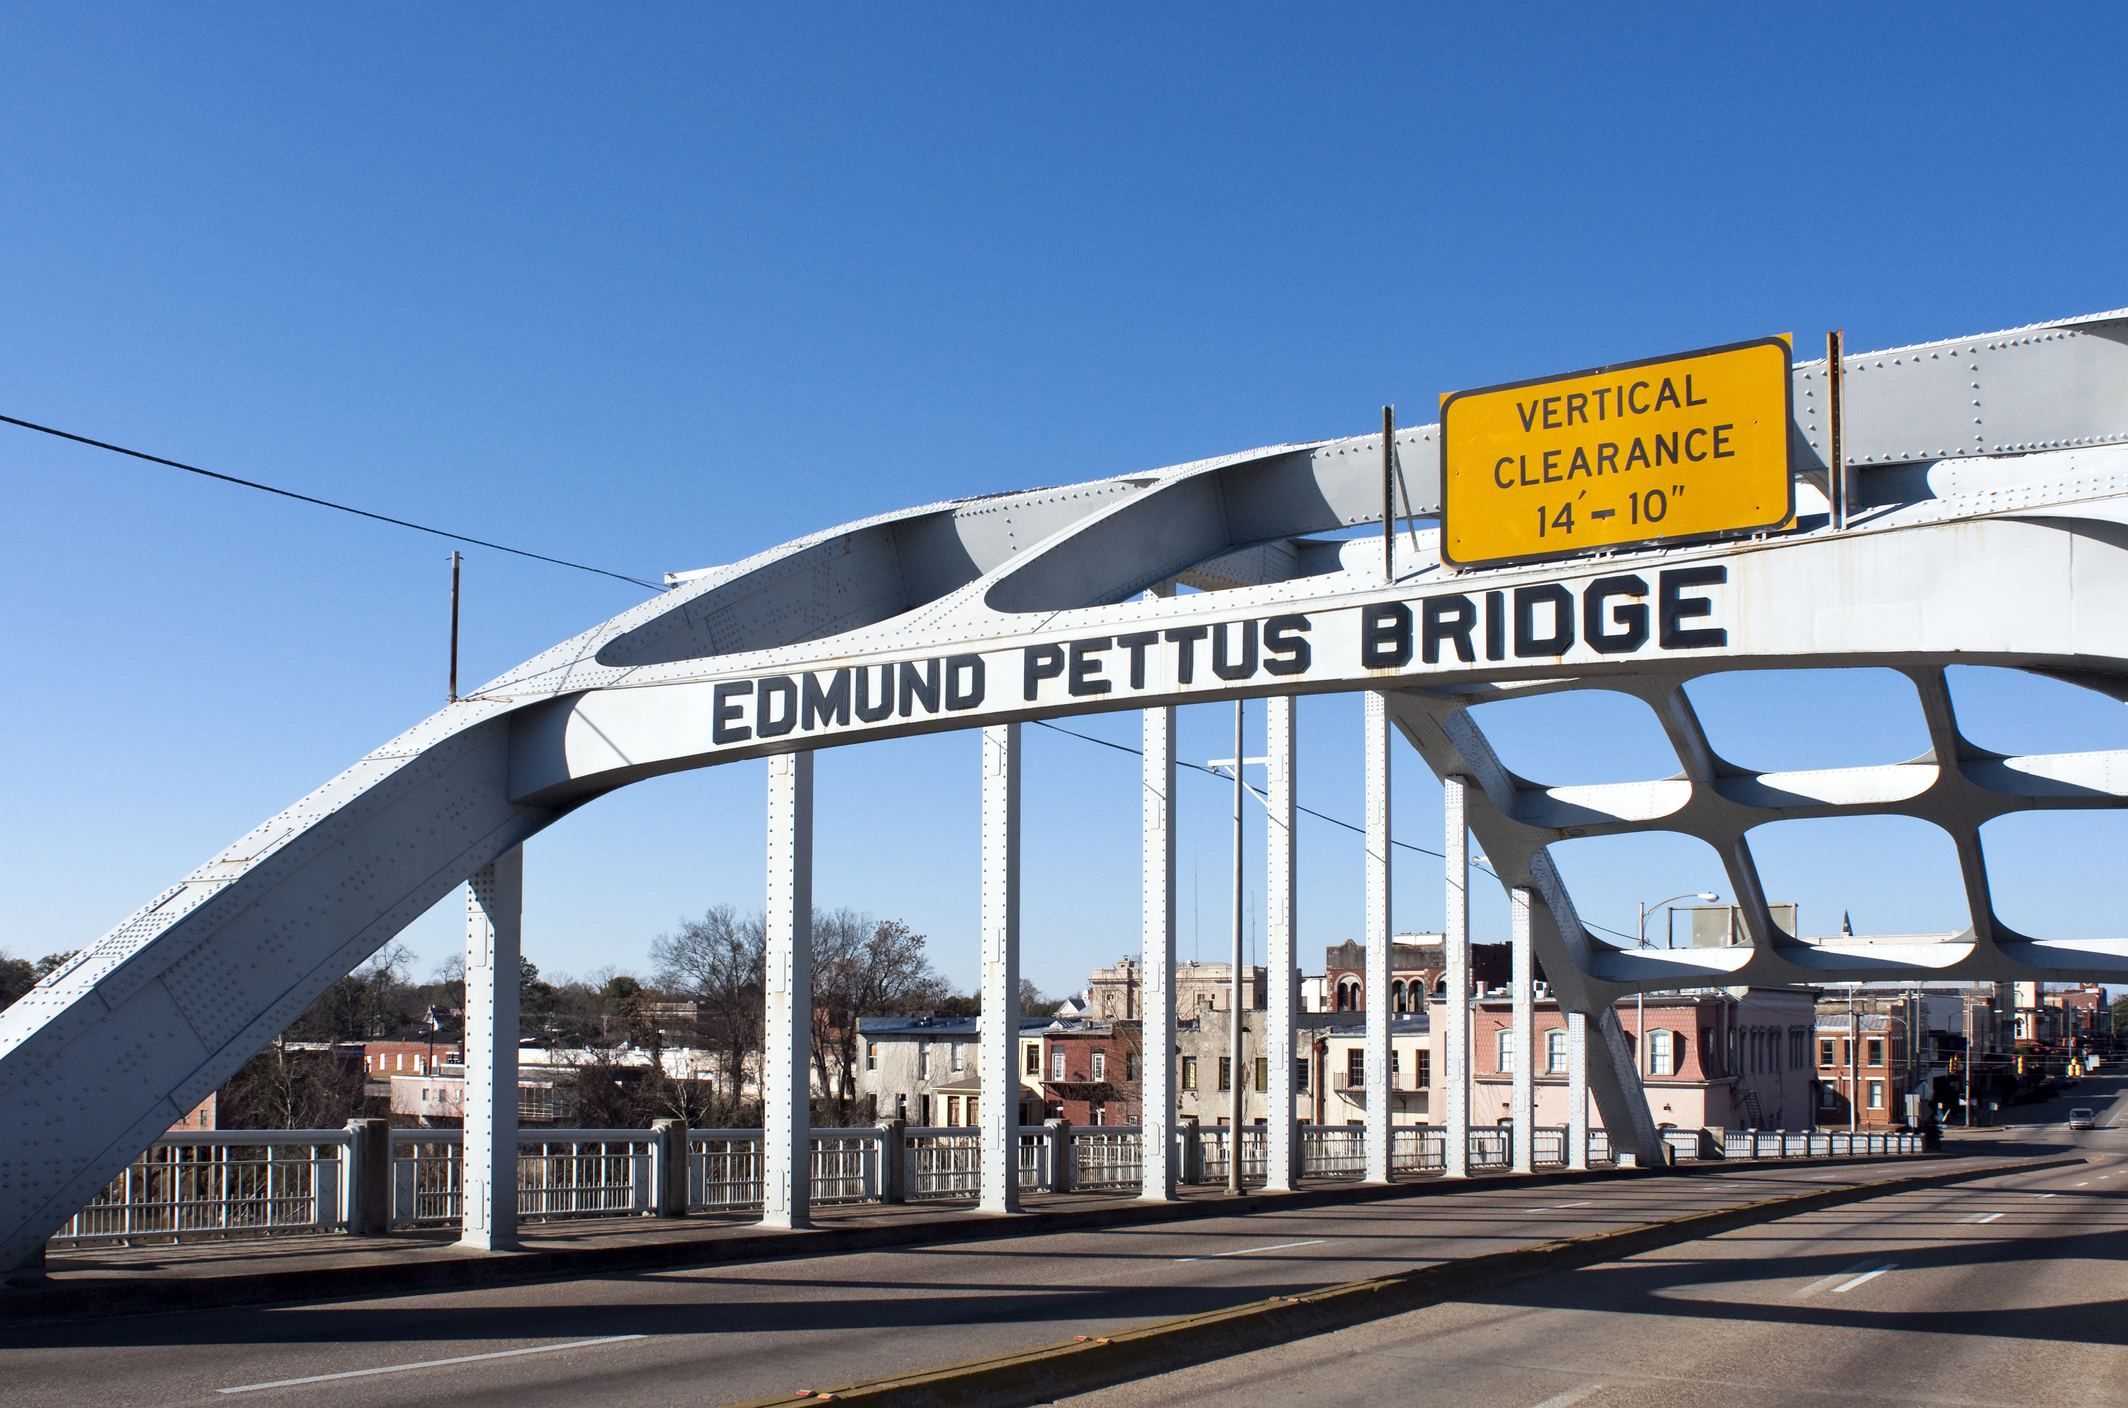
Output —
<point x="1396" y="996"/>
<point x="1825" y="1052"/>
<point x="959" y="1061"/>
<point x="1555" y="1052"/>
<point x="923" y="1104"/>
<point x="1056" y="1063"/>
<point x="1300" y="1075"/>
<point x="1100" y="1063"/>
<point x="1226" y="1073"/>
<point x="1504" y="1050"/>
<point x="1876" y="1095"/>
<point x="1423" y="1075"/>
<point x="1263" y="1074"/>
<point x="1130" y="1065"/>
<point x="1189" y="1073"/>
<point x="1395" y="1067"/>
<point x="923" y="1060"/>
<point x="1665" y="1052"/>
<point x="1356" y="1068"/>
<point x="871" y="1109"/>
<point x="1876" y="1053"/>
<point x="871" y="1056"/>
<point x="953" y="1110"/>
<point x="1098" y="1112"/>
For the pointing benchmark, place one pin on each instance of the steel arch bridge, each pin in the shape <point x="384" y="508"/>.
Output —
<point x="1992" y="528"/>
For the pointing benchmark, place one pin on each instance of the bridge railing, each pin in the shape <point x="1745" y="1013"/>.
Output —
<point x="1816" y="1144"/>
<point x="219" y="1183"/>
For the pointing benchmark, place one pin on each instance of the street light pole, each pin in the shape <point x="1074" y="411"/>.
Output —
<point x="1640" y="1006"/>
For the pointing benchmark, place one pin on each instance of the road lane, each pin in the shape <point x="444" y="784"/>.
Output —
<point x="1905" y="1299"/>
<point x="721" y="1333"/>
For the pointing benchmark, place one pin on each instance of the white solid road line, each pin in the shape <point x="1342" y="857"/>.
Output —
<point x="1214" y="1256"/>
<point x="1572" y="1395"/>
<point x="1984" y="1217"/>
<point x="430" y="1363"/>
<point x="1562" y="1207"/>
<point x="1870" y="1275"/>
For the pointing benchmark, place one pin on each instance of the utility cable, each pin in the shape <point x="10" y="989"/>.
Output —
<point x="327" y="503"/>
<point x="1319" y="816"/>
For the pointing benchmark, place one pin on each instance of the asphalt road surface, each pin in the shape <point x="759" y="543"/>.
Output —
<point x="2004" y="1291"/>
<point x="721" y="1334"/>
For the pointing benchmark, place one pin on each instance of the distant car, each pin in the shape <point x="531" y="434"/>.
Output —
<point x="2080" y="1118"/>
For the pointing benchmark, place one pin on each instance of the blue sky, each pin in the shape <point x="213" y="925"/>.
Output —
<point x="655" y="288"/>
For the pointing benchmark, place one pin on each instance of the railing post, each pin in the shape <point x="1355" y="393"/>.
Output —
<point x="893" y="1161"/>
<point x="668" y="1168"/>
<point x="1063" y="1163"/>
<point x="366" y="1178"/>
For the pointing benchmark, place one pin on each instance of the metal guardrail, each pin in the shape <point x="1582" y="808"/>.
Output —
<point x="1815" y="1144"/>
<point x="219" y="1183"/>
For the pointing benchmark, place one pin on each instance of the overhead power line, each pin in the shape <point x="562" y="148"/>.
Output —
<point x="1319" y="816"/>
<point x="327" y="503"/>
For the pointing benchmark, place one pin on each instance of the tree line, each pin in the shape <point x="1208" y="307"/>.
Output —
<point x="706" y="991"/>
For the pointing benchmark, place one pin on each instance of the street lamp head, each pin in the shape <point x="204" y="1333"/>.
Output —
<point x="1708" y="896"/>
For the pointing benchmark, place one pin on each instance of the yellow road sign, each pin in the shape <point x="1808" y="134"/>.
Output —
<point x="1661" y="451"/>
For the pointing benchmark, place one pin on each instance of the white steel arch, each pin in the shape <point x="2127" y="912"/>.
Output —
<point x="1993" y="477"/>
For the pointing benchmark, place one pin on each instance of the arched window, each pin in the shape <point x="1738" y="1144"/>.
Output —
<point x="1396" y="996"/>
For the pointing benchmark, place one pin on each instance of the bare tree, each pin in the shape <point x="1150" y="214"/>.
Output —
<point x="721" y="961"/>
<point x="862" y="967"/>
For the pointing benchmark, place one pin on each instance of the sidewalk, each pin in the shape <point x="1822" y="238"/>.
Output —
<point x="206" y="1274"/>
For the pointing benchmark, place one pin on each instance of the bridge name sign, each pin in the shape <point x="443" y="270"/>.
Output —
<point x="1673" y="449"/>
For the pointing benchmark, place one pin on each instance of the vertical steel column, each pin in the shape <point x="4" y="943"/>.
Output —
<point x="1156" y="1092"/>
<point x="1237" y="1000"/>
<point x="495" y="898"/>
<point x="1280" y="1147"/>
<point x="1524" y="1040"/>
<point x="1455" y="1007"/>
<point x="786" y="1078"/>
<point x="1001" y="968"/>
<point x="1577" y="1090"/>
<point x="1379" y="939"/>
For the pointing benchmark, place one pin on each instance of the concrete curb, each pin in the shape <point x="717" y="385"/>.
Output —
<point x="1038" y="1376"/>
<point x="691" y="1245"/>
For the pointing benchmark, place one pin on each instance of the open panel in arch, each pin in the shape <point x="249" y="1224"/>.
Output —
<point x="1895" y="876"/>
<point x="1611" y="877"/>
<point x="2023" y="712"/>
<point x="1808" y="720"/>
<point x="1578" y="738"/>
<point x="2059" y="875"/>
